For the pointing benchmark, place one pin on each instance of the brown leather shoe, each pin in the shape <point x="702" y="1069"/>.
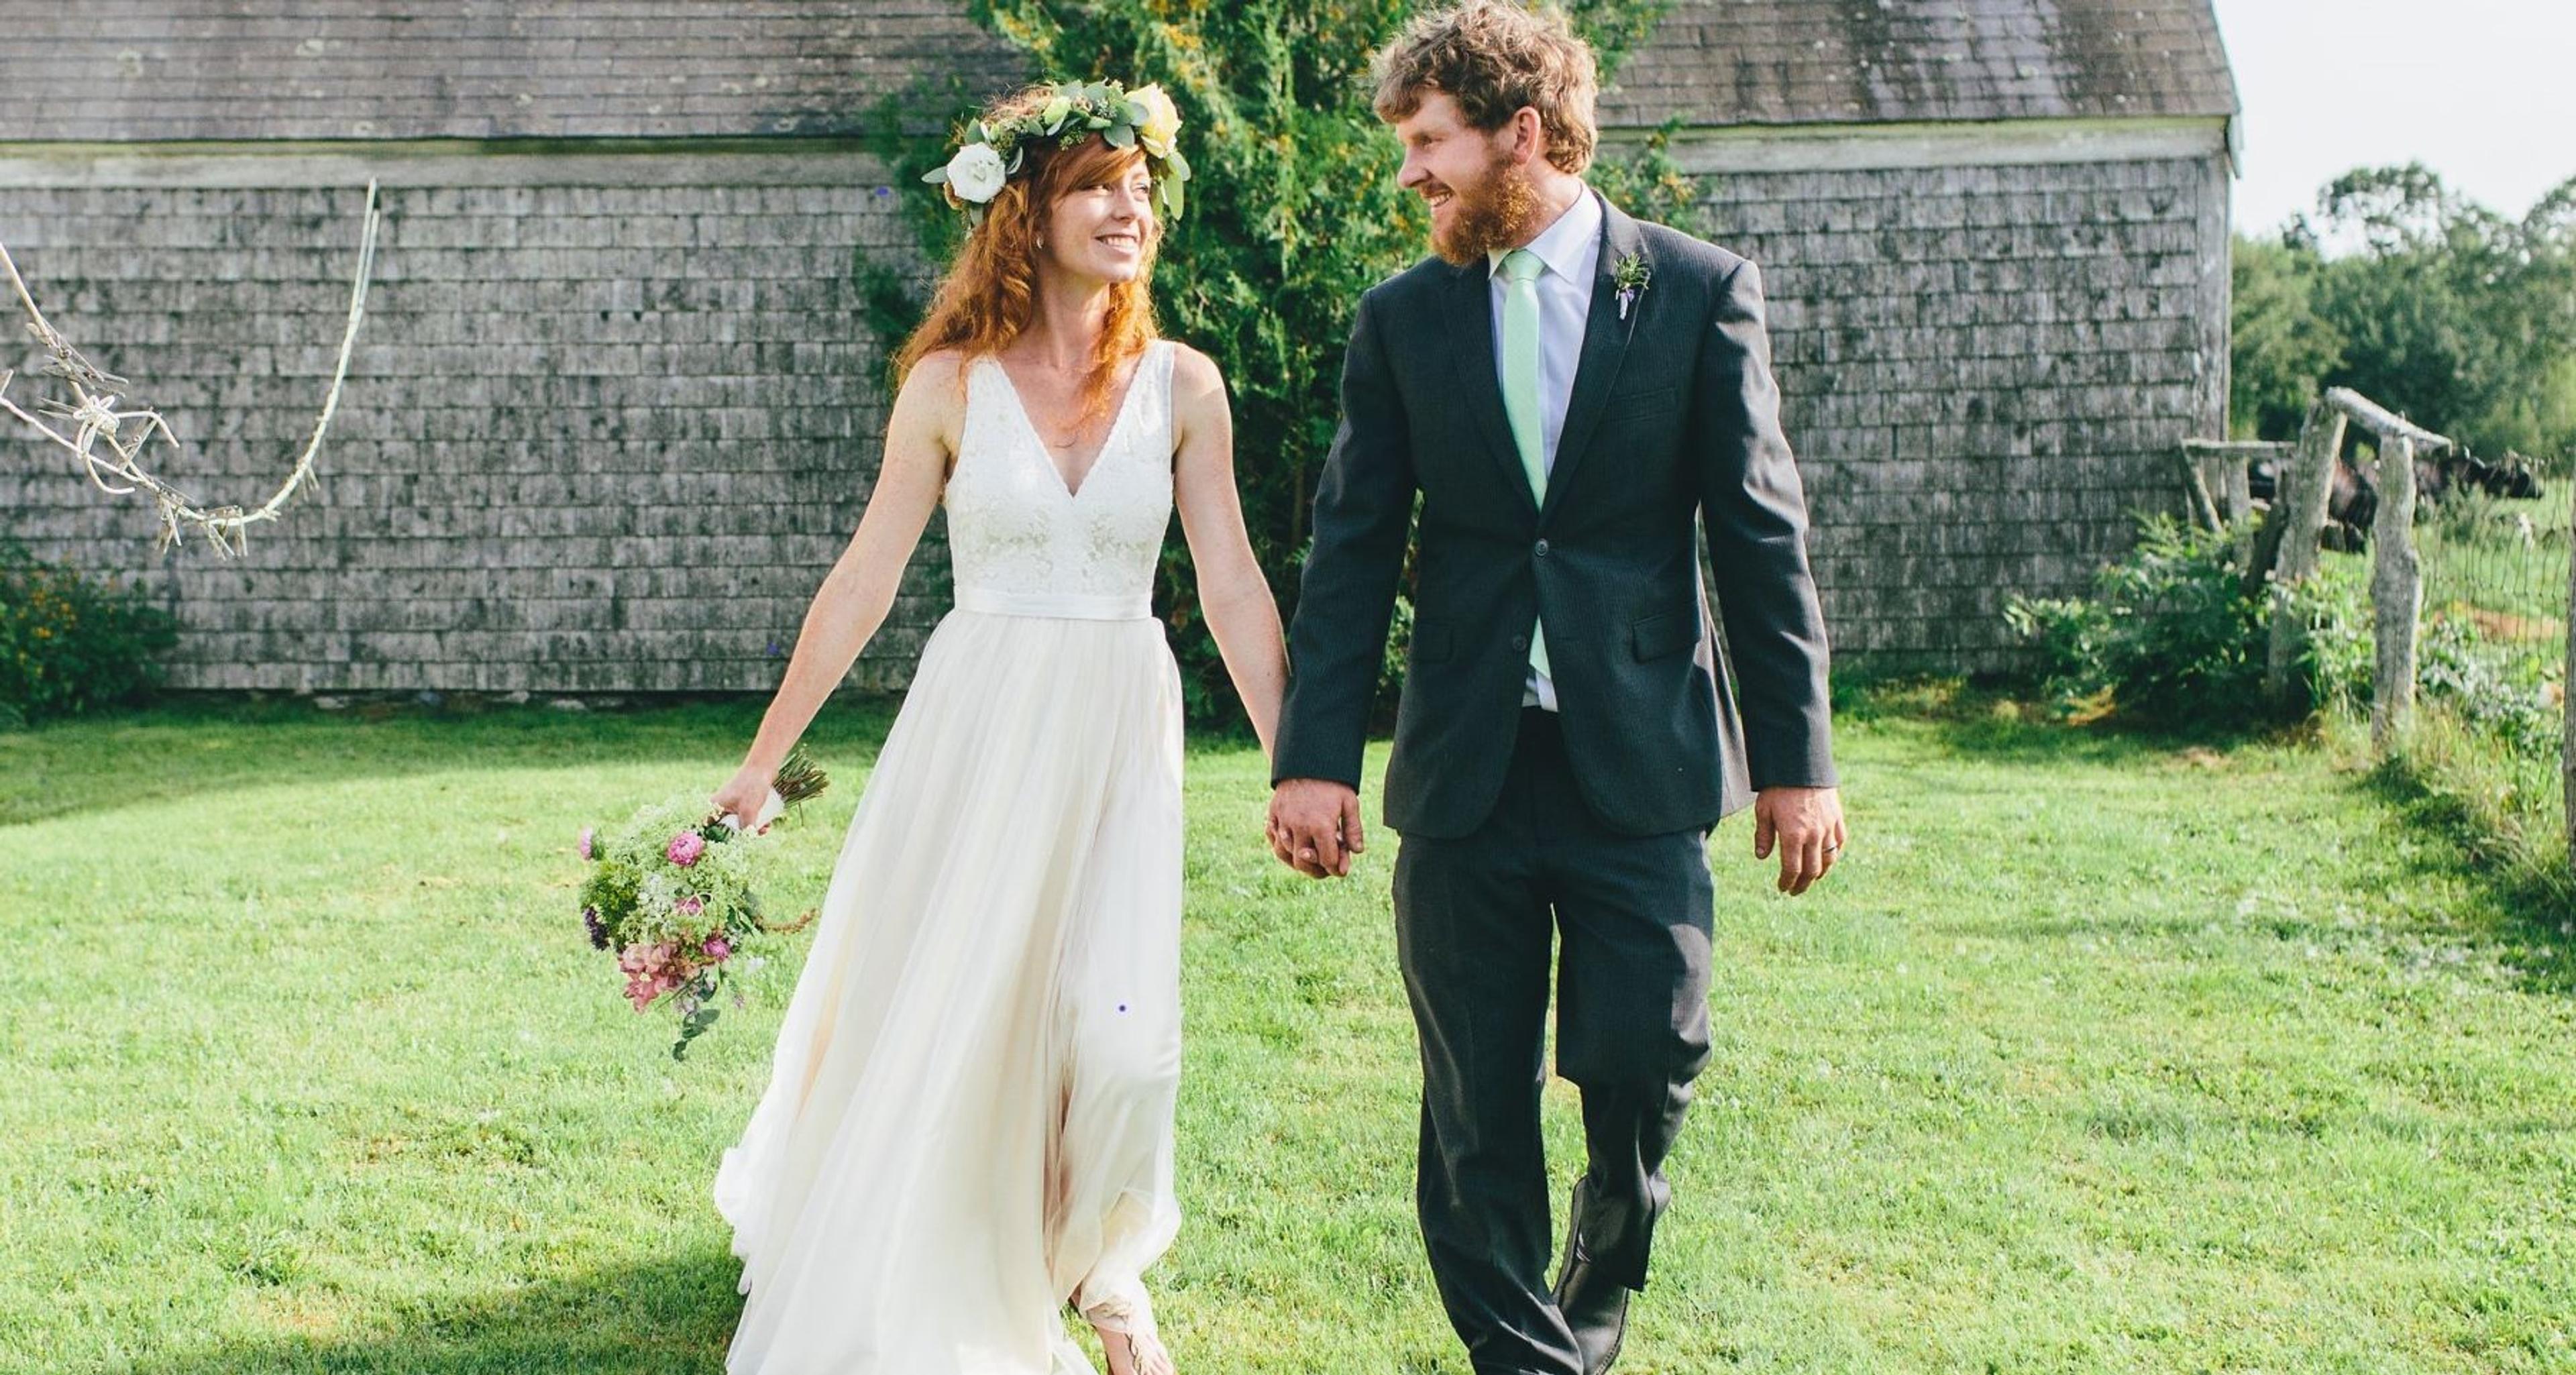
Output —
<point x="1594" y="1305"/>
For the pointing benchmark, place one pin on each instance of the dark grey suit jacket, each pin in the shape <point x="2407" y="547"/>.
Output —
<point x="1673" y="415"/>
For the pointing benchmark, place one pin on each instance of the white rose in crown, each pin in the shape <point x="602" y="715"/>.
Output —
<point x="1162" y="120"/>
<point x="976" y="173"/>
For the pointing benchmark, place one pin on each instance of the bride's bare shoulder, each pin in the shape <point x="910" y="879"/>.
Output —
<point x="938" y="372"/>
<point x="929" y="414"/>
<point x="935" y="387"/>
<point x="1196" y="379"/>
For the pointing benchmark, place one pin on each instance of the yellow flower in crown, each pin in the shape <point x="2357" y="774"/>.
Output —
<point x="1162" y="122"/>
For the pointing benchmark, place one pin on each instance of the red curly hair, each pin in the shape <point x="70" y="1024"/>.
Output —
<point x="989" y="294"/>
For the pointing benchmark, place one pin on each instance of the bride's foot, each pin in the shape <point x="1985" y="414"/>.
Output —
<point x="1134" y="1353"/>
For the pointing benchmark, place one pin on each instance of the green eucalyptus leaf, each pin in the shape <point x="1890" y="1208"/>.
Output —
<point x="1119" y="135"/>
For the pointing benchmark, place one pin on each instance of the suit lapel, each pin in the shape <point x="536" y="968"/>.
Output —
<point x="1480" y="387"/>
<point x="1605" y="348"/>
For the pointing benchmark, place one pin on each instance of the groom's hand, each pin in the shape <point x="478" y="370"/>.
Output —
<point x="1315" y="826"/>
<point x="1807" y="826"/>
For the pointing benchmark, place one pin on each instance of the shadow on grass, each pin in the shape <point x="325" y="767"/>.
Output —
<point x="187" y="748"/>
<point x="673" y="1316"/>
<point x="2534" y="902"/>
<point x="1997" y="720"/>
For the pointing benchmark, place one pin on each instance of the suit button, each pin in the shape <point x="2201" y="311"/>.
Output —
<point x="1542" y="548"/>
<point x="1520" y="644"/>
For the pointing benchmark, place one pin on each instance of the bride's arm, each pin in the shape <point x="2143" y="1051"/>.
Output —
<point x="1232" y="593"/>
<point x="860" y="589"/>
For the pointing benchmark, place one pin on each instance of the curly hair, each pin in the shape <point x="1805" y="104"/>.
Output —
<point x="989" y="294"/>
<point x="1493" y="58"/>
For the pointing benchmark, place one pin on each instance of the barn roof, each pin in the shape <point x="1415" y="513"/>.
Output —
<point x="334" y="69"/>
<point x="1874" y="61"/>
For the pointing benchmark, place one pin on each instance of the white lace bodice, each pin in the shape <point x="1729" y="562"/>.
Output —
<point x="1020" y="543"/>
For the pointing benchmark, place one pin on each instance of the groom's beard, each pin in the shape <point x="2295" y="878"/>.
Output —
<point x="1496" y="215"/>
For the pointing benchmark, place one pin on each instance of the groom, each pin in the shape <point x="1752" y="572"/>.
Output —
<point x="1565" y="389"/>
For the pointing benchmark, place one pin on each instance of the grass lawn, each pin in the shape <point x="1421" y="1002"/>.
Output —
<point x="2094" y="1055"/>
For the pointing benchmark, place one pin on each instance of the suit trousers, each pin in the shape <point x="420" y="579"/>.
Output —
<point x="1476" y="917"/>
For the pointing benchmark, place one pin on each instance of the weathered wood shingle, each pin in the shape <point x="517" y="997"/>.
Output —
<point x="154" y="70"/>
<point x="1716" y="62"/>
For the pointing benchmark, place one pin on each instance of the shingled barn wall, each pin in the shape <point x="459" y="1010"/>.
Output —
<point x="609" y="420"/>
<point x="614" y="412"/>
<point x="1986" y="369"/>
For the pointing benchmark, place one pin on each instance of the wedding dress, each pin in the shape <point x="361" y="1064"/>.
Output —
<point x="968" y="1123"/>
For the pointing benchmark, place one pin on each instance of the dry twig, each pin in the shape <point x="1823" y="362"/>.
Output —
<point x="93" y="417"/>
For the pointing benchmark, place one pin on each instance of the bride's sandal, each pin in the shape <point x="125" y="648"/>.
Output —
<point x="1125" y="1324"/>
<point x="1135" y="1353"/>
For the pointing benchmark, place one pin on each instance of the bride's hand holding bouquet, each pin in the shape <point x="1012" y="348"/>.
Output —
<point x="671" y="891"/>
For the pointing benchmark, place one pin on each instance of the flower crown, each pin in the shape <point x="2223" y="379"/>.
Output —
<point x="991" y="153"/>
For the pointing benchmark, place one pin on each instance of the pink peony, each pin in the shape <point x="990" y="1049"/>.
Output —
<point x="585" y="842"/>
<point x="685" y="848"/>
<point x="717" y="947"/>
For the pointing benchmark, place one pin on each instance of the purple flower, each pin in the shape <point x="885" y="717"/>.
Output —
<point x="717" y="947"/>
<point x="685" y="848"/>
<point x="585" y="842"/>
<point x="691" y="905"/>
<point x="597" y="928"/>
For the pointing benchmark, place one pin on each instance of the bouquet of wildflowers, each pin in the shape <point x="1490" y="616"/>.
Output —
<point x="671" y="893"/>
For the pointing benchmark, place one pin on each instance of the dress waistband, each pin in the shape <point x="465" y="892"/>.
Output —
<point x="1063" y="606"/>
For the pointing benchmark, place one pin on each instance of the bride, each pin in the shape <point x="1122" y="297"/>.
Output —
<point x="968" y="1123"/>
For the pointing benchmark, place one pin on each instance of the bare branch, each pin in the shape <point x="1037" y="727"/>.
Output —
<point x="93" y="418"/>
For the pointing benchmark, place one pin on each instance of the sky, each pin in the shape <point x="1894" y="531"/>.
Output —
<point x="2481" y="91"/>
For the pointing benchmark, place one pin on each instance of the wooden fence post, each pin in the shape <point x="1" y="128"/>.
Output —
<point x="2396" y="593"/>
<point x="2196" y="491"/>
<point x="2309" y="480"/>
<point x="2238" y="498"/>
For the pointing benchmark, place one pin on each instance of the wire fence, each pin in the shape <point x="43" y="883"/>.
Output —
<point x="2469" y="594"/>
<point x="2495" y="573"/>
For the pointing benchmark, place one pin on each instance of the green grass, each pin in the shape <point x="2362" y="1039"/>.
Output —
<point x="2094" y="1055"/>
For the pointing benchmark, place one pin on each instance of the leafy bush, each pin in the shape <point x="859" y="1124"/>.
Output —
<point x="2489" y="690"/>
<point x="70" y="643"/>
<point x="2170" y="638"/>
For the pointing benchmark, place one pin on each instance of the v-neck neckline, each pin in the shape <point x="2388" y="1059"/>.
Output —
<point x="1117" y="422"/>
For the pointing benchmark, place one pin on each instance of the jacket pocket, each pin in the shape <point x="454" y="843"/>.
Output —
<point x="1653" y="637"/>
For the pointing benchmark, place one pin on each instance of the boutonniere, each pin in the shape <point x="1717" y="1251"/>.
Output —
<point x="1631" y="274"/>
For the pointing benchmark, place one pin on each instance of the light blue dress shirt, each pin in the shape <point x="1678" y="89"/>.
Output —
<point x="1571" y="249"/>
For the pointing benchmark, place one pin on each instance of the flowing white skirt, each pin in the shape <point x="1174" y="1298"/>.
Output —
<point x="968" y="1122"/>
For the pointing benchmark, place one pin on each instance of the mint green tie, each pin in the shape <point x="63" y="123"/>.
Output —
<point x="1521" y="403"/>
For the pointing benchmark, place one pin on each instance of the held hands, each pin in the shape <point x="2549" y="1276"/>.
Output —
<point x="1315" y="826"/>
<point x="1807" y="826"/>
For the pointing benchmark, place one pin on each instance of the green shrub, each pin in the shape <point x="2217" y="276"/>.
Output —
<point x="2488" y="688"/>
<point x="2170" y="638"/>
<point x="70" y="643"/>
